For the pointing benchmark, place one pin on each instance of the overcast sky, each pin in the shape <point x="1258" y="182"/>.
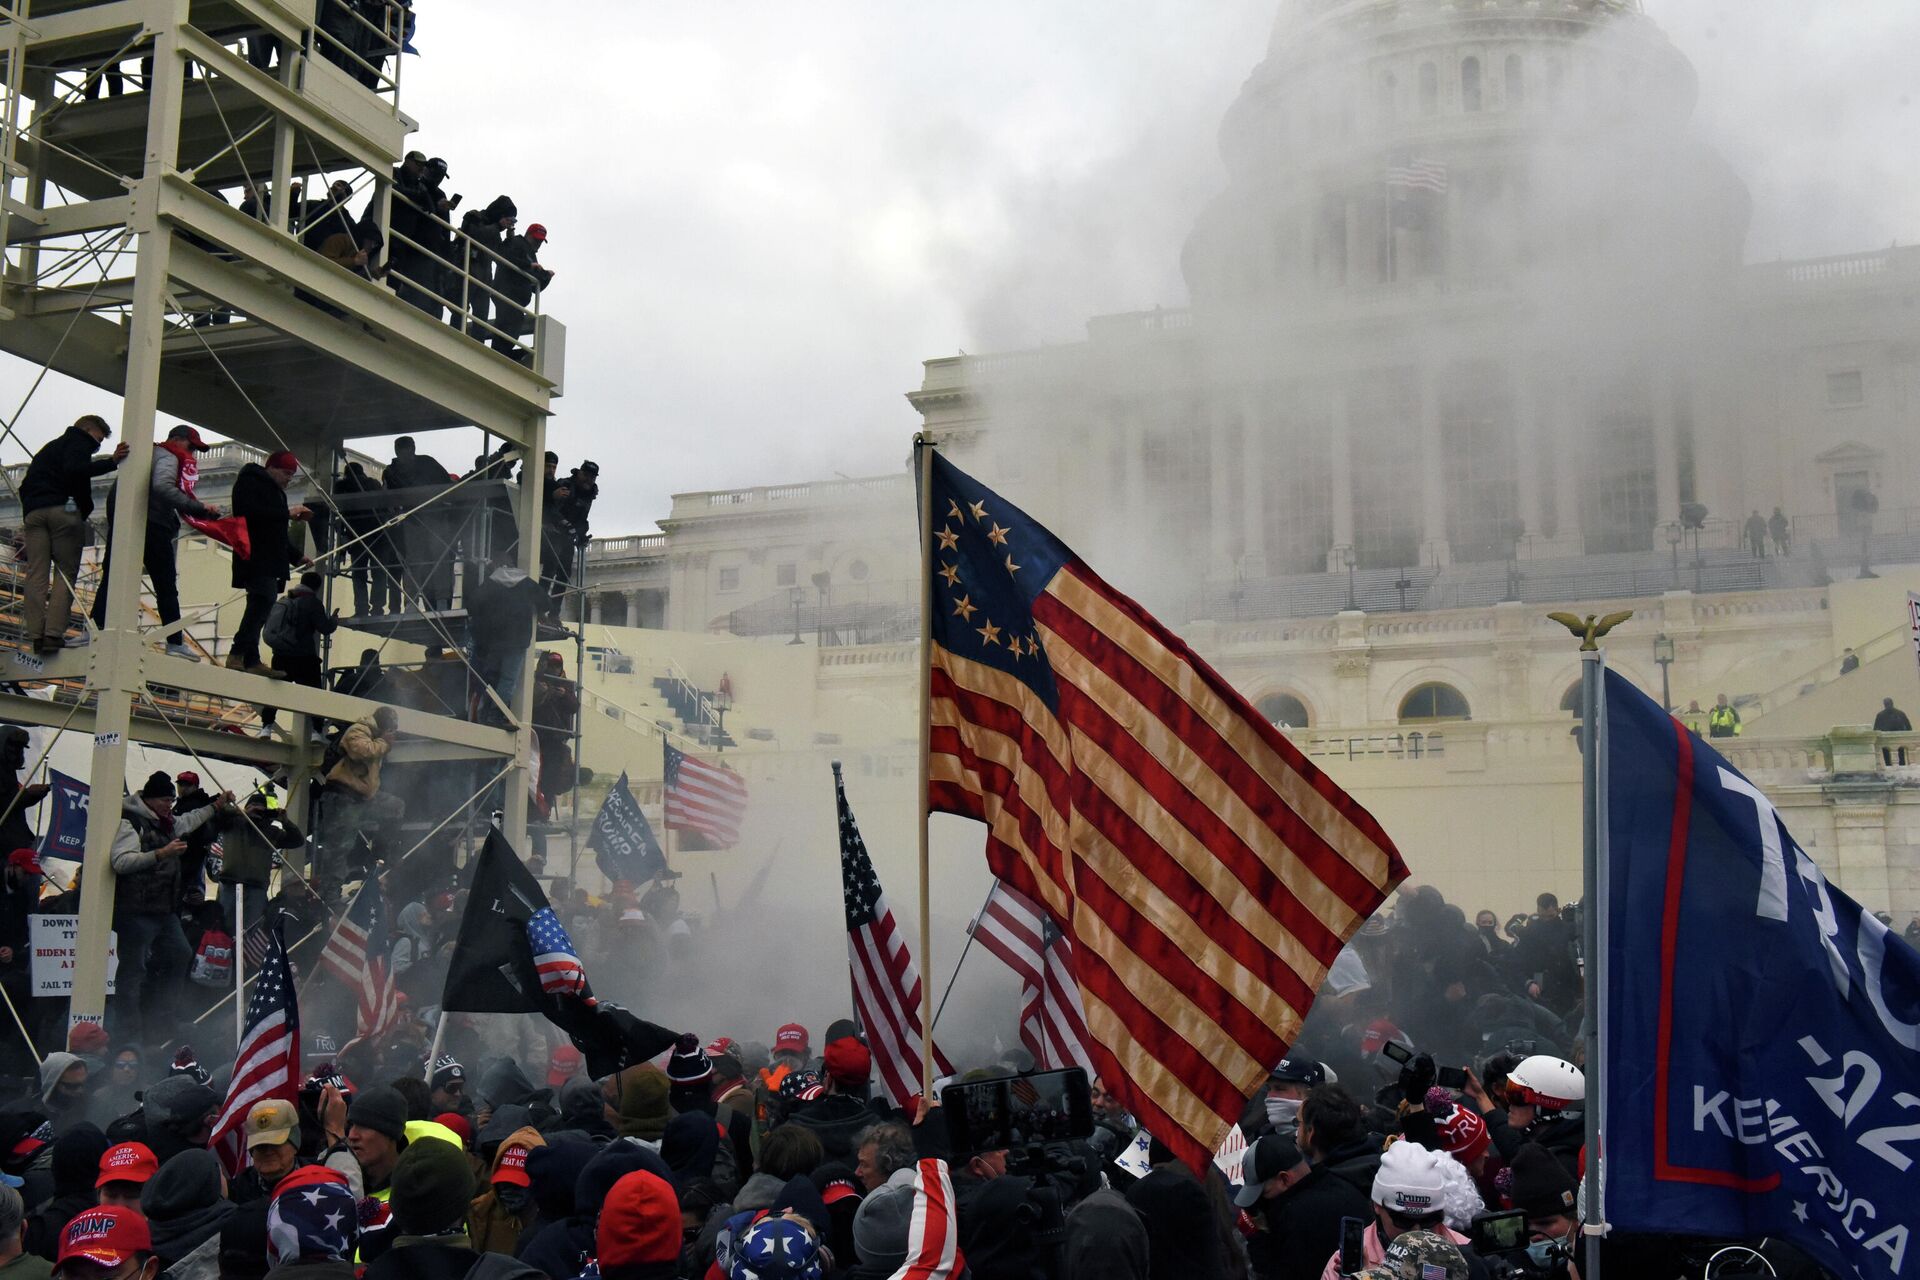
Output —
<point x="763" y="217"/>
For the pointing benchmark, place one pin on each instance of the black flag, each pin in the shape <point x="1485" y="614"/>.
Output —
<point x="493" y="968"/>
<point x="624" y="840"/>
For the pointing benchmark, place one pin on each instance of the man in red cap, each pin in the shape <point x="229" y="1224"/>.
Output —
<point x="169" y="497"/>
<point x="563" y="1065"/>
<point x="260" y="498"/>
<point x="108" y="1243"/>
<point x="124" y="1171"/>
<point x="517" y="279"/>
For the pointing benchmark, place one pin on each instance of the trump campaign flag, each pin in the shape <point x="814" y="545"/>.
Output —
<point x="1762" y="1029"/>
<point x="622" y="839"/>
<point x="66" y="832"/>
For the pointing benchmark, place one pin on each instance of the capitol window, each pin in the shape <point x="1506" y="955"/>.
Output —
<point x="1846" y="390"/>
<point x="730" y="579"/>
<point x="1434" y="704"/>
<point x="1284" y="711"/>
<point x="1470" y="93"/>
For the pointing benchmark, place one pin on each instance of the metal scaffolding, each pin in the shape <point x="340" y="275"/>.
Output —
<point x="229" y="322"/>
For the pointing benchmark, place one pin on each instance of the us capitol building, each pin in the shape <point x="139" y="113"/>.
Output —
<point x="1472" y="336"/>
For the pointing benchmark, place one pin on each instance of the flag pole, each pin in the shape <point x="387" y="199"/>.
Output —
<point x="923" y="459"/>
<point x="239" y="964"/>
<point x="439" y="1037"/>
<point x="1593" y="942"/>
<point x="666" y="828"/>
<point x="971" y="930"/>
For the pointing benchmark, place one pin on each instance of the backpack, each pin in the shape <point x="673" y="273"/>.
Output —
<point x="280" y="634"/>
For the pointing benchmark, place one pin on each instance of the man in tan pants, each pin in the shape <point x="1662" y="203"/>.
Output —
<point x="56" y="496"/>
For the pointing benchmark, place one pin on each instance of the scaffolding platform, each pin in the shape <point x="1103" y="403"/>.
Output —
<point x="131" y="268"/>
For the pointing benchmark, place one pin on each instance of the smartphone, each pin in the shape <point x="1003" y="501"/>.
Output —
<point x="1493" y="1233"/>
<point x="1352" y="1246"/>
<point x="1017" y="1111"/>
<point x="1397" y="1051"/>
<point x="1451" y="1077"/>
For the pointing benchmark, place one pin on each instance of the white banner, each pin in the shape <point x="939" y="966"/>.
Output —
<point x="53" y="939"/>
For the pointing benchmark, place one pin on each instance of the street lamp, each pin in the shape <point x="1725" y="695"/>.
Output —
<point x="797" y="597"/>
<point x="1663" y="654"/>
<point x="1350" y="558"/>
<point x="823" y="583"/>
<point x="722" y="703"/>
<point x="1674" y="535"/>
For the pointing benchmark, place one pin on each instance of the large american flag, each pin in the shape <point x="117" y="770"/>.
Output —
<point x="1053" y="1026"/>
<point x="1204" y="871"/>
<point x="704" y="798"/>
<point x="360" y="954"/>
<point x="886" y="982"/>
<point x="268" y="1062"/>
<point x="554" y="959"/>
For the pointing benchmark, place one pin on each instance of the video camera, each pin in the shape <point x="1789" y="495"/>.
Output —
<point x="1502" y="1240"/>
<point x="1030" y="1117"/>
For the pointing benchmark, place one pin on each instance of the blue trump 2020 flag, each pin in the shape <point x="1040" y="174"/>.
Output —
<point x="1763" y="1062"/>
<point x="65" y="835"/>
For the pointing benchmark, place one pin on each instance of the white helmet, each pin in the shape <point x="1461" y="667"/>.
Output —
<point x="1546" y="1083"/>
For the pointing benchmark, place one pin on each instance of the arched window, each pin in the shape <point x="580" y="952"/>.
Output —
<point x="1429" y="89"/>
<point x="1434" y="703"/>
<point x="1516" y="82"/>
<point x="1285" y="711"/>
<point x="1470" y="84"/>
<point x="1570" y="700"/>
<point x="1389" y="98"/>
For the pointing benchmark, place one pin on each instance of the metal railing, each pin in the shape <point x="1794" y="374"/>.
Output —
<point x="457" y="262"/>
<point x="376" y="41"/>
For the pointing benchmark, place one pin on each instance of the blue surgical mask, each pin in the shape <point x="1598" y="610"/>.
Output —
<point x="1546" y="1254"/>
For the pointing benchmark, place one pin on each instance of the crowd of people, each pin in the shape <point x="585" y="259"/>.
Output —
<point x="492" y="1153"/>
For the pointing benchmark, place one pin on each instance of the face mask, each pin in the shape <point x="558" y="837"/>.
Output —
<point x="513" y="1199"/>
<point x="1282" y="1113"/>
<point x="1549" y="1255"/>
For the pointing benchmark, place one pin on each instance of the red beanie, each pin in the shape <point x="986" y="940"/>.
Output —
<point x="849" y="1062"/>
<point x="462" y="1128"/>
<point x="1462" y="1132"/>
<point x="639" y="1222"/>
<point x="282" y="461"/>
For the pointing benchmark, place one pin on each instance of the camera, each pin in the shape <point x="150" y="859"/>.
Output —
<point x="1501" y="1240"/>
<point x="1010" y="1113"/>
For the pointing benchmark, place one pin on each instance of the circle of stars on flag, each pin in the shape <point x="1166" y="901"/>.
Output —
<point x="947" y="539"/>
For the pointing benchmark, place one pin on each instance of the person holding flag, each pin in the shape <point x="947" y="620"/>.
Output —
<point x="267" y="1063"/>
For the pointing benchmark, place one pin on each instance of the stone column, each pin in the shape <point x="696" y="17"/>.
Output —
<point x="1254" y="442"/>
<point x="633" y="608"/>
<point x="1526" y="449"/>
<point x="1223" y="536"/>
<point x="1666" y="450"/>
<point x="1340" y="446"/>
<point x="1433" y="489"/>
<point x="594" y="607"/>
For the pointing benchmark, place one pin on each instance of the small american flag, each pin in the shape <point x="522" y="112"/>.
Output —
<point x="256" y="945"/>
<point x="268" y="1062"/>
<point x="360" y="954"/>
<point x="1053" y="1025"/>
<point x="1418" y="175"/>
<point x="704" y="798"/>
<point x="886" y="983"/>
<point x="558" y="964"/>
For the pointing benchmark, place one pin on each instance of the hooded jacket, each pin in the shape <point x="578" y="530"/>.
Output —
<point x="504" y="1084"/>
<point x="308" y="619"/>
<point x="183" y="1205"/>
<point x="361" y="751"/>
<point x="492" y="1226"/>
<point x="643" y="1105"/>
<point x="836" y="1120"/>
<point x="147" y="885"/>
<point x="501" y="615"/>
<point x="262" y="503"/>
<point x="1179" y="1220"/>
<point x="52" y="1067"/>
<point x="1106" y="1240"/>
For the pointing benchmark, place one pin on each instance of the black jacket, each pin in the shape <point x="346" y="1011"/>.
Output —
<point x="501" y="617"/>
<point x="1892" y="720"/>
<point x="836" y="1120"/>
<point x="263" y="505"/>
<point x="414" y="472"/>
<point x="526" y="276"/>
<point x="309" y="618"/>
<point x="1301" y="1229"/>
<point x="64" y="468"/>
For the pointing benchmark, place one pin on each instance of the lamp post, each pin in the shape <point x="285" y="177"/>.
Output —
<point x="797" y="597"/>
<point x="823" y="583"/>
<point x="1350" y="558"/>
<point x="1663" y="654"/>
<point x="1673" y="532"/>
<point x="722" y="703"/>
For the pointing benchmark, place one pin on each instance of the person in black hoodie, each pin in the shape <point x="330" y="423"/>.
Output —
<point x="260" y="498"/>
<point x="1179" y="1219"/>
<point x="500" y="618"/>
<point x="185" y="1204"/>
<point x="487" y="229"/>
<point x="518" y="278"/>
<point x="56" y="497"/>
<point x="844" y="1114"/>
<point x="76" y="1166"/>
<point x="304" y="619"/>
<point x="1297" y="1208"/>
<point x="423" y="538"/>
